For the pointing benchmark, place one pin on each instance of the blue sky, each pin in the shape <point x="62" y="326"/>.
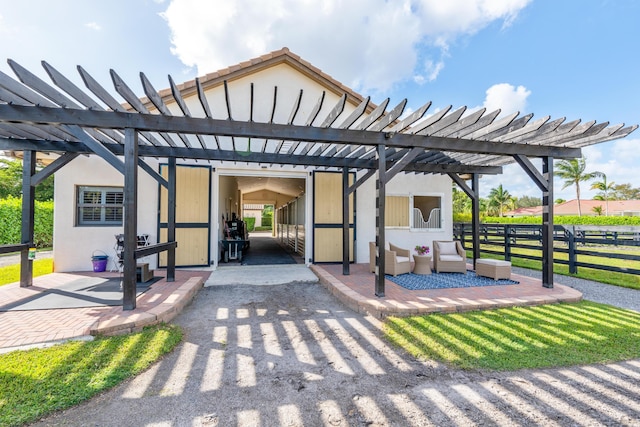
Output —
<point x="573" y="59"/>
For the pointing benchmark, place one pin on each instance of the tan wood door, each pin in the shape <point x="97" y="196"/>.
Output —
<point x="193" y="215"/>
<point x="327" y="217"/>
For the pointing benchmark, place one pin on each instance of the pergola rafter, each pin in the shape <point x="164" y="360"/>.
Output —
<point x="63" y="118"/>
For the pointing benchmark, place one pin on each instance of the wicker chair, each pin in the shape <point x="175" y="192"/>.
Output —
<point x="449" y="257"/>
<point x="396" y="260"/>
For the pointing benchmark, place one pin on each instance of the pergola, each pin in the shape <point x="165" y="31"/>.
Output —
<point x="62" y="118"/>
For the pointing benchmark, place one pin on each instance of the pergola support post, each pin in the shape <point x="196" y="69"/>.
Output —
<point x="171" y="220"/>
<point x="473" y="193"/>
<point x="130" y="218"/>
<point x="345" y="221"/>
<point x="380" y="205"/>
<point x="28" y="217"/>
<point x="547" y="224"/>
<point x="347" y="191"/>
<point x="475" y="217"/>
<point x="544" y="181"/>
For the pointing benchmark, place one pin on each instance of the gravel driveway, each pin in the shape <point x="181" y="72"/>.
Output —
<point x="292" y="355"/>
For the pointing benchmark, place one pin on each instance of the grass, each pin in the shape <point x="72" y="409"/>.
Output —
<point x="11" y="273"/>
<point x="37" y="382"/>
<point x="521" y="337"/>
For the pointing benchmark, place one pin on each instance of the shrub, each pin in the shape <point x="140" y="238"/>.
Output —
<point x="562" y="220"/>
<point x="11" y="222"/>
<point x="251" y="222"/>
<point x="267" y="221"/>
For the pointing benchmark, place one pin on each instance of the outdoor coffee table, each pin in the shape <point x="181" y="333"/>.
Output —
<point x="494" y="268"/>
<point x="422" y="264"/>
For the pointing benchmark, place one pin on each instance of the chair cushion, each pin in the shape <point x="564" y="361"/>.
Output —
<point x="450" y="257"/>
<point x="493" y="262"/>
<point x="447" y="248"/>
<point x="400" y="259"/>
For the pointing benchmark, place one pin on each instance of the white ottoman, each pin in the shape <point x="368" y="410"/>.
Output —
<point x="494" y="268"/>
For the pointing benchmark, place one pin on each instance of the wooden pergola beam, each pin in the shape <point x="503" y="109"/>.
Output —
<point x="232" y="128"/>
<point x="228" y="155"/>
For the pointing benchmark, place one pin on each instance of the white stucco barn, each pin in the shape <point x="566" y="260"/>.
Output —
<point x="224" y="187"/>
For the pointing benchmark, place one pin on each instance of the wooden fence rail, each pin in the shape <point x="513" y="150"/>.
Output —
<point x="574" y="241"/>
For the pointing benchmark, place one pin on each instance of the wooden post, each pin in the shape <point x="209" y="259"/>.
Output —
<point x="345" y="221"/>
<point x="475" y="217"/>
<point x="130" y="218"/>
<point x="547" y="224"/>
<point x="507" y="241"/>
<point x="28" y="217"/>
<point x="571" y="244"/>
<point x="171" y="220"/>
<point x="380" y="237"/>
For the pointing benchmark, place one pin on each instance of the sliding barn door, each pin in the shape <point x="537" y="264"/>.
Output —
<point x="327" y="217"/>
<point x="193" y="213"/>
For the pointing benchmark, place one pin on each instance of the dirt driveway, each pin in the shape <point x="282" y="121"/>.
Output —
<point x="292" y="355"/>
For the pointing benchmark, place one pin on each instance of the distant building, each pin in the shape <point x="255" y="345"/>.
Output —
<point x="253" y="211"/>
<point x="570" y="207"/>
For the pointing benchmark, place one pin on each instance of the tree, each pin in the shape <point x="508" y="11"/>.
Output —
<point x="597" y="210"/>
<point x="461" y="202"/>
<point x="499" y="198"/>
<point x="528" y="202"/>
<point x="10" y="178"/>
<point x="573" y="173"/>
<point x="625" y="192"/>
<point x="11" y="181"/>
<point x="605" y="187"/>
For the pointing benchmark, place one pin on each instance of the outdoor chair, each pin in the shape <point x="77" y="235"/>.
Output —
<point x="449" y="257"/>
<point x="396" y="260"/>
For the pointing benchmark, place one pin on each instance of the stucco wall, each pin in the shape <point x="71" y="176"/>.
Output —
<point x="401" y="184"/>
<point x="73" y="246"/>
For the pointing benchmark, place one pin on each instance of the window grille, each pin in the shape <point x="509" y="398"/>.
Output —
<point x="100" y="206"/>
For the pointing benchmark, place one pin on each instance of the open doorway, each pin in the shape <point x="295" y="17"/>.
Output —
<point x="256" y="200"/>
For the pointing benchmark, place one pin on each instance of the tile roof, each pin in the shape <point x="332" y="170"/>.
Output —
<point x="570" y="207"/>
<point x="251" y="66"/>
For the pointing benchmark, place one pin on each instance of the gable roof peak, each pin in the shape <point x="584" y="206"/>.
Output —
<point x="273" y="58"/>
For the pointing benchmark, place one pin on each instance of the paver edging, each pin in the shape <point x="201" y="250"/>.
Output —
<point x="164" y="311"/>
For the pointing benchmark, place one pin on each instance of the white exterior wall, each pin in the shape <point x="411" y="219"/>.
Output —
<point x="73" y="246"/>
<point x="401" y="185"/>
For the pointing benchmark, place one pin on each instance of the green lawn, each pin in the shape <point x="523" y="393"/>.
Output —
<point x="521" y="337"/>
<point x="37" y="382"/>
<point x="11" y="273"/>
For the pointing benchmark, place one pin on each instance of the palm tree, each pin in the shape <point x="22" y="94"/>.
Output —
<point x="572" y="171"/>
<point x="605" y="187"/>
<point x="500" y="198"/>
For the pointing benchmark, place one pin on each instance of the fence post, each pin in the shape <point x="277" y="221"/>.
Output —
<point x="507" y="242"/>
<point x="571" y="243"/>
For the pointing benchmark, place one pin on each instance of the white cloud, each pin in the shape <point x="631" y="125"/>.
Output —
<point x="506" y="97"/>
<point x="392" y="41"/>
<point x="5" y="28"/>
<point x="433" y="69"/>
<point x="509" y="99"/>
<point x="93" y="26"/>
<point x="616" y="159"/>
